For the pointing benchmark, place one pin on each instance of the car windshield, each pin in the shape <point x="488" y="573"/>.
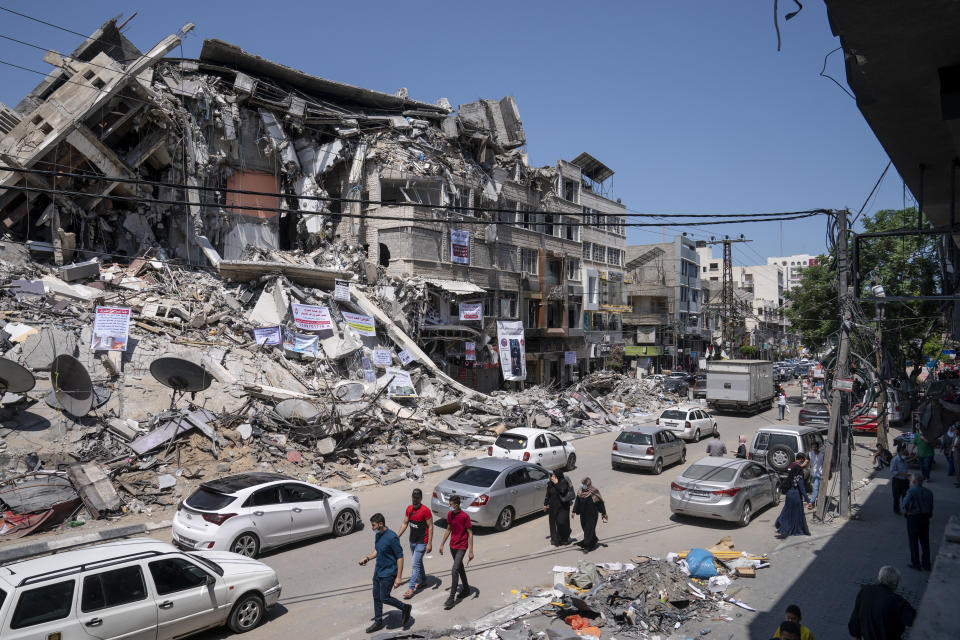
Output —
<point x="674" y="414"/>
<point x="511" y="441"/>
<point x="474" y="476"/>
<point x="632" y="437"/>
<point x="710" y="473"/>
<point x="207" y="500"/>
<point x="770" y="440"/>
<point x="210" y="564"/>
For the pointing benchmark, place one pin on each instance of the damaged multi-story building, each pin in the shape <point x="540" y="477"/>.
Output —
<point x="230" y="159"/>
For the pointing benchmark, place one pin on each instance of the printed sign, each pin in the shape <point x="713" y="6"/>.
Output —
<point x="300" y="343"/>
<point x="470" y="351"/>
<point x="264" y="336"/>
<point x="570" y="357"/>
<point x="111" y="329"/>
<point x="368" y="373"/>
<point x="311" y="318"/>
<point x="513" y="350"/>
<point x="382" y="357"/>
<point x="459" y="246"/>
<point x="401" y="386"/>
<point x="405" y="357"/>
<point x="341" y="290"/>
<point x="364" y="325"/>
<point x="471" y="311"/>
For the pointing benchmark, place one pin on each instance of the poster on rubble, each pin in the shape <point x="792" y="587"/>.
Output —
<point x="368" y="373"/>
<point x="311" y="318"/>
<point x="111" y="329"/>
<point x="401" y="386"/>
<point x="405" y="357"/>
<point x="265" y="336"/>
<point x="570" y="357"/>
<point x="459" y="246"/>
<point x="300" y="343"/>
<point x="382" y="357"/>
<point x="364" y="325"/>
<point x="341" y="290"/>
<point x="470" y="351"/>
<point x="513" y="351"/>
<point x="471" y="311"/>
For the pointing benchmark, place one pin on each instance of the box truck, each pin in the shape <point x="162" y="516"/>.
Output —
<point x="740" y="385"/>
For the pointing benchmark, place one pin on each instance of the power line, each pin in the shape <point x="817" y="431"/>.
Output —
<point x="872" y="191"/>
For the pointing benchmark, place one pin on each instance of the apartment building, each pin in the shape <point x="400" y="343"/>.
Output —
<point x="793" y="267"/>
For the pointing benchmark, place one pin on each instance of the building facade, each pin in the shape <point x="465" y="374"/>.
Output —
<point x="793" y="267"/>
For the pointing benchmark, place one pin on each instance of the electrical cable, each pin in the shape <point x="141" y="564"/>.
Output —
<point x="824" y="74"/>
<point x="872" y="191"/>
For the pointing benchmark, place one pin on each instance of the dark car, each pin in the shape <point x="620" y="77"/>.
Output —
<point x="815" y="413"/>
<point x="678" y="386"/>
<point x="700" y="387"/>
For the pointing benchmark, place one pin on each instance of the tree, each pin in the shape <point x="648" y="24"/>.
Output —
<point x="812" y="305"/>
<point x="748" y="351"/>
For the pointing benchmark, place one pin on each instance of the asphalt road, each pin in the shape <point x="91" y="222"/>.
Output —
<point x="324" y="587"/>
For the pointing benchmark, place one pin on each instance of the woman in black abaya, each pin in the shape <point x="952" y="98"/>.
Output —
<point x="792" y="521"/>
<point x="557" y="505"/>
<point x="588" y="505"/>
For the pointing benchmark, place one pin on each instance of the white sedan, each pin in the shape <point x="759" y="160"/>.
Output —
<point x="688" y="422"/>
<point x="534" y="445"/>
<point x="250" y="512"/>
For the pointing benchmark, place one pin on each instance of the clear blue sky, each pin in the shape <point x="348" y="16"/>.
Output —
<point x="688" y="101"/>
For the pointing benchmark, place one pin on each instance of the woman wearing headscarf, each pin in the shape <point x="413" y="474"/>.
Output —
<point x="792" y="521"/>
<point x="557" y="505"/>
<point x="588" y="505"/>
<point x="742" y="447"/>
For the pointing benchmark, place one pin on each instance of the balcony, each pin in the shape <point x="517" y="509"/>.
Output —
<point x="641" y="319"/>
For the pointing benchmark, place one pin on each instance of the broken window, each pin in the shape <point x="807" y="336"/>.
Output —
<point x="414" y="192"/>
<point x="548" y="224"/>
<point x="508" y="304"/>
<point x="573" y="269"/>
<point x="554" y="271"/>
<point x="573" y="315"/>
<point x="529" y="261"/>
<point x="572" y="230"/>
<point x="555" y="315"/>
<point x="533" y="313"/>
<point x="571" y="190"/>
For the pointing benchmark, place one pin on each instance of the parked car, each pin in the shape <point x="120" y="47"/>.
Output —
<point x="493" y="491"/>
<point x="777" y="446"/>
<point x="724" y="489"/>
<point x="647" y="448"/>
<point x="251" y="512"/>
<point x="534" y="445"/>
<point x="894" y="406"/>
<point x="137" y="588"/>
<point x="676" y="385"/>
<point x="700" y="387"/>
<point x="688" y="422"/>
<point x="866" y="422"/>
<point x="814" y="412"/>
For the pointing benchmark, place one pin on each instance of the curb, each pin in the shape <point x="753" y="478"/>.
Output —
<point x="27" y="549"/>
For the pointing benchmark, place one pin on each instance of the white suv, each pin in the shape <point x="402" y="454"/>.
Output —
<point x="133" y="589"/>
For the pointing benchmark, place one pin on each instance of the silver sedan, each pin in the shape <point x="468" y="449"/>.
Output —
<point x="493" y="491"/>
<point x="724" y="489"/>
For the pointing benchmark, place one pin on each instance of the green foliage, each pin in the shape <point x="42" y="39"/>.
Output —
<point x="748" y="351"/>
<point x="812" y="308"/>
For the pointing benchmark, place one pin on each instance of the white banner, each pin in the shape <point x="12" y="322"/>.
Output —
<point x="311" y="317"/>
<point x="299" y="343"/>
<point x="513" y="350"/>
<point x="364" y="325"/>
<point x="382" y="357"/>
<point x="459" y="246"/>
<point x="111" y="329"/>
<point x="471" y="311"/>
<point x="570" y="357"/>
<point x="470" y="351"/>
<point x="368" y="373"/>
<point x="267" y="335"/>
<point x="405" y="357"/>
<point x="341" y="290"/>
<point x="401" y="386"/>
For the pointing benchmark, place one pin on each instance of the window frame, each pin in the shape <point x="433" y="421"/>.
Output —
<point x="33" y="622"/>
<point x="103" y="591"/>
<point x="175" y="558"/>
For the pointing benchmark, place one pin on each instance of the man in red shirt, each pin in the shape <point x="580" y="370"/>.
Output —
<point x="461" y="544"/>
<point x="420" y="521"/>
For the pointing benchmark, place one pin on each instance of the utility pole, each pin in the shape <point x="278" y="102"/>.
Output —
<point x="837" y="451"/>
<point x="727" y="302"/>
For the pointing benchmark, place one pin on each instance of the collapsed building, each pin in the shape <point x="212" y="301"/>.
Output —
<point x="221" y="160"/>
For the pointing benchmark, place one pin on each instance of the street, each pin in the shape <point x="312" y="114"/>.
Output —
<point x="323" y="584"/>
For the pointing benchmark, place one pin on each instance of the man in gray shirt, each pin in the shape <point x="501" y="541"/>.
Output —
<point x="715" y="447"/>
<point x="918" y="507"/>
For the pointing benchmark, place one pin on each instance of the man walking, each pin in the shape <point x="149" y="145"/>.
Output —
<point x="387" y="573"/>
<point x="781" y="404"/>
<point x="460" y="533"/>
<point x="816" y="471"/>
<point x="715" y="447"/>
<point x="918" y="507"/>
<point x="899" y="477"/>
<point x="420" y="521"/>
<point x="879" y="611"/>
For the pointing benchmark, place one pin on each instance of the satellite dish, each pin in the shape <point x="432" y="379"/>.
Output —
<point x="297" y="410"/>
<point x="15" y="378"/>
<point x="180" y="375"/>
<point x="101" y="395"/>
<point x="72" y="385"/>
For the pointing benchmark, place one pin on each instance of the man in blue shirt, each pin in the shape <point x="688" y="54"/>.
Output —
<point x="918" y="507"/>
<point x="899" y="478"/>
<point x="387" y="574"/>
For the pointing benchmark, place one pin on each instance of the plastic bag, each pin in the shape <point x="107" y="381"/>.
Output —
<point x="700" y="562"/>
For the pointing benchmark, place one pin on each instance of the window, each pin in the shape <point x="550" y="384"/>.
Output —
<point x="540" y="442"/>
<point x="529" y="261"/>
<point x="112" y="588"/>
<point x="749" y="473"/>
<point x="517" y="477"/>
<point x="526" y="218"/>
<point x="572" y="231"/>
<point x="511" y="441"/>
<point x="475" y="476"/>
<point x="508" y="305"/>
<point x="613" y="256"/>
<point x="176" y="574"/>
<point x="589" y="216"/>
<point x="554" y="441"/>
<point x="669" y="437"/>
<point x="632" y="437"/>
<point x="263" y="497"/>
<point x="536" y="475"/>
<point x="43" y="604"/>
<point x="586" y="250"/>
<point x="599" y="253"/>
<point x="710" y="473"/>
<point x="207" y="500"/>
<point x="300" y="493"/>
<point x="571" y="190"/>
<point x="573" y="269"/>
<point x="548" y="224"/>
<point x="661" y="438"/>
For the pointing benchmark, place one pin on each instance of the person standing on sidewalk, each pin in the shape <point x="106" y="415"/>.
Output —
<point x="420" y="521"/>
<point x="899" y="477"/>
<point x="816" y="472"/>
<point x="588" y="505"/>
<point x="880" y="612"/>
<point x="947" y="442"/>
<point x="925" y="454"/>
<point x="557" y="503"/>
<point x="918" y="507"/>
<point x="715" y="447"/>
<point x="781" y="404"/>
<point x="460" y="533"/>
<point x="387" y="573"/>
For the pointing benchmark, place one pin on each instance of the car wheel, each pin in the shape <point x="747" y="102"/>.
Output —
<point x="246" y="544"/>
<point x="683" y="455"/>
<point x="505" y="519"/>
<point x="246" y="614"/>
<point x="696" y="435"/>
<point x="657" y="467"/>
<point x="614" y="466"/>
<point x="716" y="431"/>
<point x="345" y="523"/>
<point x="571" y="462"/>
<point x="779" y="457"/>
<point x="745" y="515"/>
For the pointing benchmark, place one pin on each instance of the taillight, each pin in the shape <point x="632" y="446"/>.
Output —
<point x="480" y="500"/>
<point x="649" y="451"/>
<point x="676" y="487"/>
<point x="526" y="456"/>
<point x="210" y="545"/>
<point x="726" y="492"/>
<point x="687" y="424"/>
<point x="615" y="447"/>
<point x="489" y="451"/>
<point x="218" y="518"/>
<point x="435" y="496"/>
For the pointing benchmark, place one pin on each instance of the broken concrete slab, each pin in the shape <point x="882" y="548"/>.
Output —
<point x="40" y="349"/>
<point x="95" y="488"/>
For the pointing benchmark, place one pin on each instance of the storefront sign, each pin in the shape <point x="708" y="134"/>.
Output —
<point x="471" y="311"/>
<point x="111" y="329"/>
